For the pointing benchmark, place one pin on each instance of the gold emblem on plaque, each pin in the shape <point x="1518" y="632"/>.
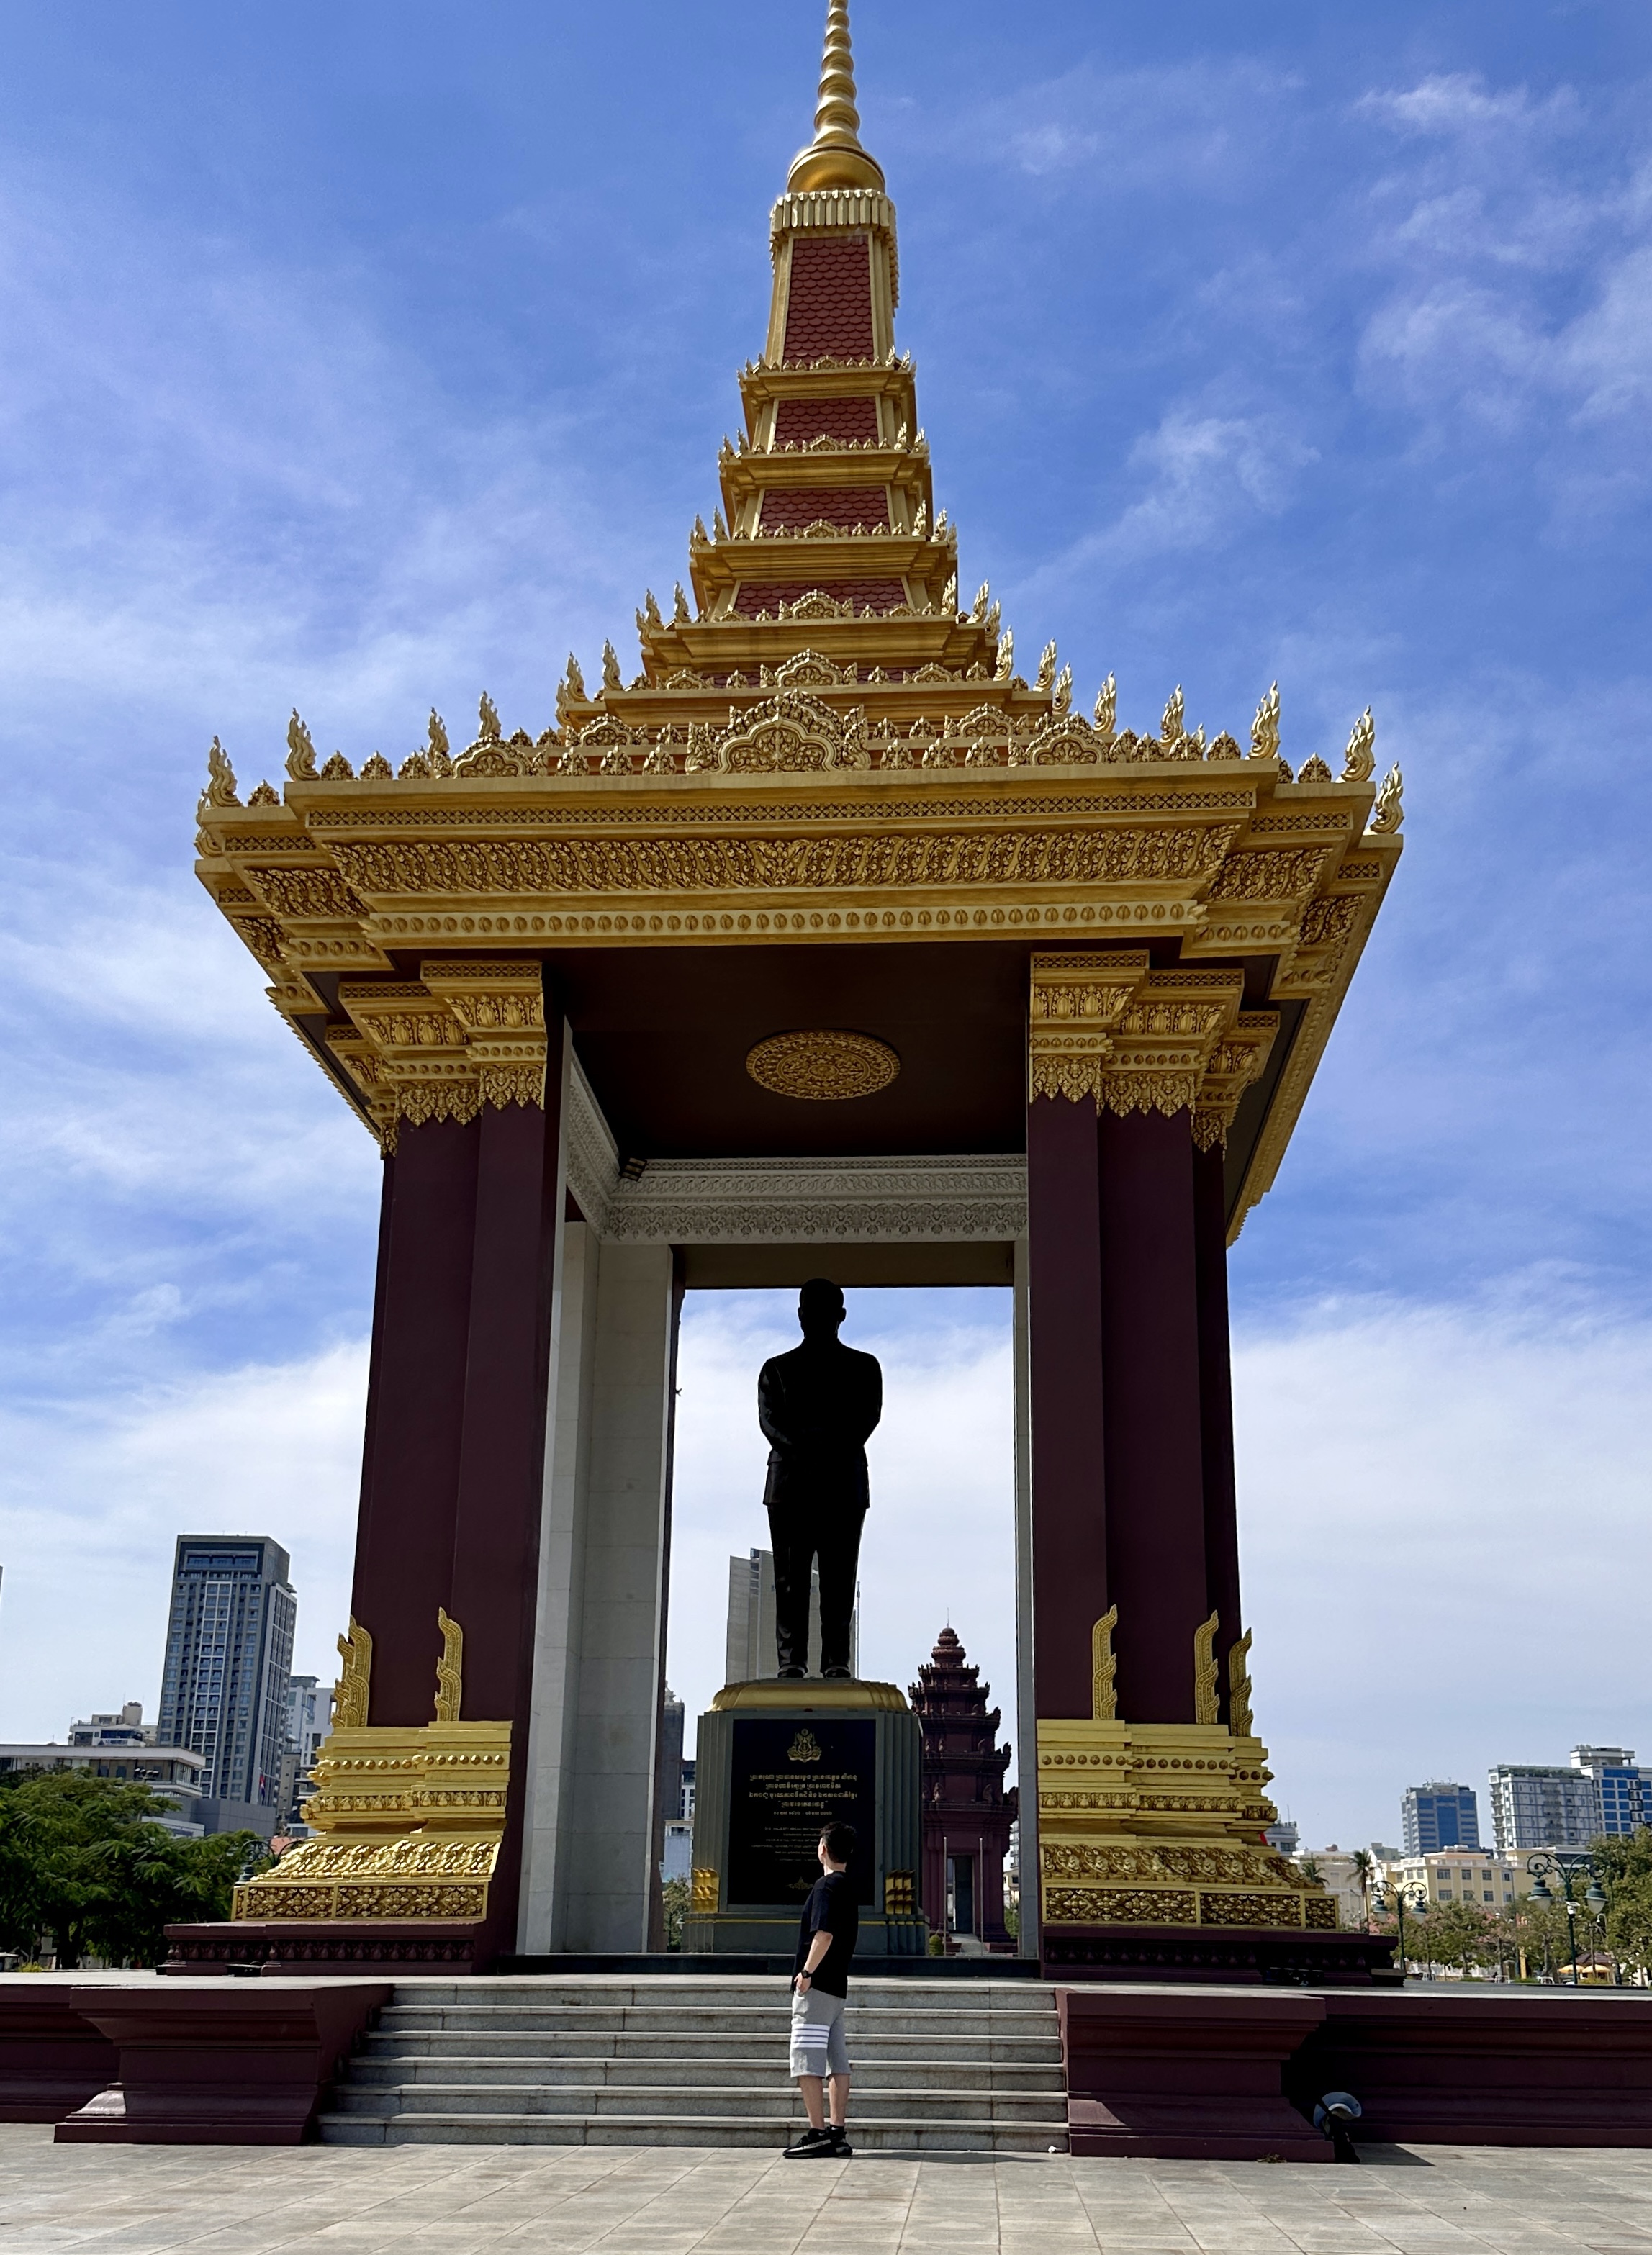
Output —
<point x="806" y="1747"/>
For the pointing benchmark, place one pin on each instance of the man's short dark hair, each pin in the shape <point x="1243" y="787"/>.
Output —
<point x="838" y="1840"/>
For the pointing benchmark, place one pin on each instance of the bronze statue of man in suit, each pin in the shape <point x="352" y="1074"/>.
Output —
<point x="817" y="1406"/>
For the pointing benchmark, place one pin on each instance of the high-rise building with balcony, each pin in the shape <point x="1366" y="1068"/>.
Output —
<point x="1535" y="1806"/>
<point x="224" y="1681"/>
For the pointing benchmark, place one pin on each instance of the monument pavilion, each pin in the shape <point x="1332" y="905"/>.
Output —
<point x="831" y="938"/>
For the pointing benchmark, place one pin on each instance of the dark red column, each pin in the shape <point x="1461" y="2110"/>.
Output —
<point x="1155" y="1464"/>
<point x="1216" y="1406"/>
<point x="494" y="1587"/>
<point x="416" y="1400"/>
<point x="1069" y="1481"/>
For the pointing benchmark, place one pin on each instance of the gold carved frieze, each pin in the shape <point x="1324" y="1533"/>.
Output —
<point x="1161" y="1824"/>
<point x="407" y="1820"/>
<point x="462" y="1035"/>
<point x="753" y="804"/>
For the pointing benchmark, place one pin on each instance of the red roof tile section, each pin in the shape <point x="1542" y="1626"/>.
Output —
<point x="788" y="509"/>
<point x="829" y="304"/>
<point x="756" y="596"/>
<point x="800" y="420"/>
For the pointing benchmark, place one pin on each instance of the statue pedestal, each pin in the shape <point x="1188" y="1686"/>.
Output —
<point x="777" y="1761"/>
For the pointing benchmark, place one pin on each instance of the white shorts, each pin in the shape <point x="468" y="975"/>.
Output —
<point x="817" y="2042"/>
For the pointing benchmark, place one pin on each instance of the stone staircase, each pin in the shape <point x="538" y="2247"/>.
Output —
<point x="938" y="2065"/>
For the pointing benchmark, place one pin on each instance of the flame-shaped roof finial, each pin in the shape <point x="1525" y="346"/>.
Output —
<point x="834" y="159"/>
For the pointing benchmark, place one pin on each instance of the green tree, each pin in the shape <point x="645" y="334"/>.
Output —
<point x="83" y="1860"/>
<point x="1536" y="1933"/>
<point x="1624" y="1867"/>
<point x="674" y="1899"/>
<point x="1459" y="1935"/>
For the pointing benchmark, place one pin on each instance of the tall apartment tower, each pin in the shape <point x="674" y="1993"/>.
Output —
<point x="1535" y="1806"/>
<point x="1440" y="1816"/>
<point x="224" y="1684"/>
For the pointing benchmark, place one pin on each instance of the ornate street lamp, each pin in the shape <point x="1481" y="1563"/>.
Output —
<point x="1415" y="1896"/>
<point x="1568" y="1865"/>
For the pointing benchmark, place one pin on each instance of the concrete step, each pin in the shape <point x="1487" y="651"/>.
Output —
<point x="737" y="2101"/>
<point x="961" y="2134"/>
<point x="666" y="2020"/>
<point x="868" y="2046"/>
<point x="370" y="2073"/>
<point x="700" y="2061"/>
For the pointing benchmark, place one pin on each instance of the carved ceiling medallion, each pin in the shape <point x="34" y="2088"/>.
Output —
<point x="823" y="1066"/>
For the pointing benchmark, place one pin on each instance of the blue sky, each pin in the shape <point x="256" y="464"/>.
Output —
<point x="365" y="358"/>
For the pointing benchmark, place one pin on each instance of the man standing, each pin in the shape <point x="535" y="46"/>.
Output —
<point x="817" y="1406"/>
<point x="819" y="1989"/>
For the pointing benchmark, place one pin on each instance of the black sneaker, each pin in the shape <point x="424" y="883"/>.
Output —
<point x="813" y="2145"/>
<point x="842" y="2150"/>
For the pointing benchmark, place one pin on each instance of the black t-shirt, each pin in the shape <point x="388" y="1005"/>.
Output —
<point x="831" y="1909"/>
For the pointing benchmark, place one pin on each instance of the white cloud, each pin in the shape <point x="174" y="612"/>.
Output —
<point x="1520" y="292"/>
<point x="95" y="1491"/>
<point x="1446" y="1543"/>
<point x="1459" y="102"/>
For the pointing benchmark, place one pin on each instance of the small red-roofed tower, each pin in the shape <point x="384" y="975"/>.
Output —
<point x="967" y="1813"/>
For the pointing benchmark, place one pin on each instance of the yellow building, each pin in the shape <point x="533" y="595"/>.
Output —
<point x="1477" y="1876"/>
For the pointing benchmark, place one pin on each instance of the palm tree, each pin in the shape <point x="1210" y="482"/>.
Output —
<point x="1365" y="1870"/>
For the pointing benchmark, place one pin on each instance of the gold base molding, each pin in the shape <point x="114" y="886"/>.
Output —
<point x="410" y="1822"/>
<point x="1161" y="1824"/>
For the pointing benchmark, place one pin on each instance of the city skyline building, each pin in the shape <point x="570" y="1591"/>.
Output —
<point x="309" y="1718"/>
<point x="126" y="1729"/>
<point x="1440" y="1816"/>
<point x="1542" y="1805"/>
<point x="1623" y="1790"/>
<point x="123" y="1748"/>
<point x="224" y="1680"/>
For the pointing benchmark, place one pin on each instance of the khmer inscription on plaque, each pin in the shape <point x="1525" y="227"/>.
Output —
<point x="786" y="1782"/>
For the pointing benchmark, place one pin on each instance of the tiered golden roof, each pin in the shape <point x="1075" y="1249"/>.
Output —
<point x="823" y="746"/>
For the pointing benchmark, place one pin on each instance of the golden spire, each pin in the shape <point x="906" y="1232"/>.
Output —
<point x="834" y="159"/>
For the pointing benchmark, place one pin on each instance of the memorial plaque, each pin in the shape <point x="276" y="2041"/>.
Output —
<point x="789" y="1779"/>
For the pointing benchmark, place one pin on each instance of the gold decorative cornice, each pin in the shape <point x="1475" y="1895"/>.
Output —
<point x="1106" y="1027"/>
<point x="1237" y="1059"/>
<point x="1239" y="1717"/>
<point x="462" y="1035"/>
<point x="1076" y="1002"/>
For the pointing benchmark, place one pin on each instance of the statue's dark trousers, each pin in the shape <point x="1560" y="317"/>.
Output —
<point x="798" y="1537"/>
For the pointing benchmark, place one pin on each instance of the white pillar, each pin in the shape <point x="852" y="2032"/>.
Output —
<point x="559" y="1623"/>
<point x="605" y="1857"/>
<point x="1026" y="1705"/>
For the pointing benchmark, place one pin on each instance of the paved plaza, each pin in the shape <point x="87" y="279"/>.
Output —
<point x="316" y="2200"/>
